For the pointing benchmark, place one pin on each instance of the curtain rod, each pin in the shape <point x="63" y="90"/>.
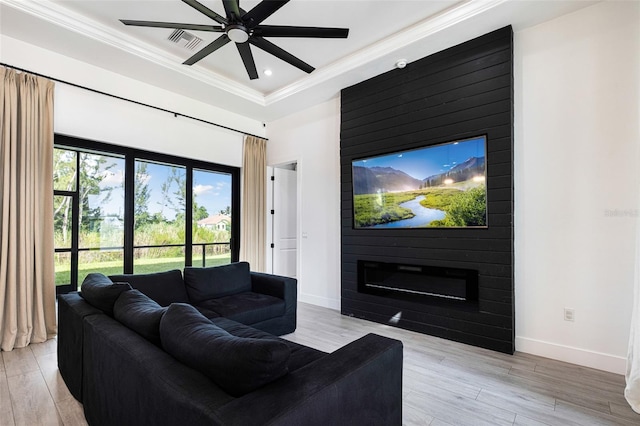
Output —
<point x="176" y="114"/>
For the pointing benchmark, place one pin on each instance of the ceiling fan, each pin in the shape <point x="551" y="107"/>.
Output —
<point x="243" y="28"/>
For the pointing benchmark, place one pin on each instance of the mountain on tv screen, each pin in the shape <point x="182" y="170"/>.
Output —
<point x="438" y="186"/>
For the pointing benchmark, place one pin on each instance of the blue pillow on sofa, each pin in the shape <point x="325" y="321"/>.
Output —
<point x="238" y="365"/>
<point x="163" y="287"/>
<point x="216" y="281"/>
<point x="140" y="313"/>
<point x="101" y="292"/>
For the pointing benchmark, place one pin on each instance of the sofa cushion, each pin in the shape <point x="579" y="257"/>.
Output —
<point x="247" y="308"/>
<point x="238" y="365"/>
<point x="207" y="312"/>
<point x="300" y="355"/>
<point x="163" y="287"/>
<point x="101" y="292"/>
<point x="140" y="313"/>
<point x="216" y="281"/>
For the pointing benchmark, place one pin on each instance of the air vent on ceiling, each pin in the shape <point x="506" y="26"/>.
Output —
<point x="185" y="39"/>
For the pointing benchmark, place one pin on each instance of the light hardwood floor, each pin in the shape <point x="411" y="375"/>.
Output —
<point x="445" y="383"/>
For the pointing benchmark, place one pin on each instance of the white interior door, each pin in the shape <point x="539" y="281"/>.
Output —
<point x="285" y="223"/>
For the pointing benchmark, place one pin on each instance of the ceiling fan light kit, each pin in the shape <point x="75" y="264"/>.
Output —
<point x="237" y="33"/>
<point x="244" y="28"/>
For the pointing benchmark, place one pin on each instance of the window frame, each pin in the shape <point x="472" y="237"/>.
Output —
<point x="130" y="156"/>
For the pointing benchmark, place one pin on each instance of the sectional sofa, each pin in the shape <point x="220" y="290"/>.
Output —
<point x="148" y="357"/>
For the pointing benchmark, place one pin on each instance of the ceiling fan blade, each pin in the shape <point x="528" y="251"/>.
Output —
<point x="247" y="57"/>
<point x="232" y="9"/>
<point x="210" y="48"/>
<point x="206" y="11"/>
<point x="196" y="27"/>
<point x="261" y="12"/>
<point x="271" y="48"/>
<point x="288" y="31"/>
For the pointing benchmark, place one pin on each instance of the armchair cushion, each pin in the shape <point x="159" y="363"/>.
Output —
<point x="238" y="365"/>
<point x="217" y="281"/>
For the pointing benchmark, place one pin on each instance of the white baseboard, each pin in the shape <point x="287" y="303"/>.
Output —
<point x="601" y="361"/>
<point x="325" y="302"/>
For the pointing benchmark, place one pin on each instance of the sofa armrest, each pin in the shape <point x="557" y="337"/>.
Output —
<point x="274" y="285"/>
<point x="283" y="288"/>
<point x="360" y="383"/>
<point x="72" y="308"/>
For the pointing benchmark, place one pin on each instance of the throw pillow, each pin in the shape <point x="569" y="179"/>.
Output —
<point x="238" y="365"/>
<point x="163" y="287"/>
<point x="217" y="281"/>
<point x="101" y="292"/>
<point x="140" y="313"/>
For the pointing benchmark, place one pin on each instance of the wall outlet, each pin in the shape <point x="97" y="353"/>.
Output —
<point x="569" y="314"/>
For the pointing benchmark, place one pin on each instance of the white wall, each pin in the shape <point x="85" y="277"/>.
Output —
<point x="89" y="115"/>
<point x="101" y="118"/>
<point x="312" y="139"/>
<point x="576" y="140"/>
<point x="576" y="146"/>
<point x="577" y="85"/>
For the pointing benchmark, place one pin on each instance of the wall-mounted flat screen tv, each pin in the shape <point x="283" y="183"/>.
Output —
<point x="437" y="186"/>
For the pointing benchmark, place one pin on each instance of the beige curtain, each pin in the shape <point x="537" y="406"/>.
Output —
<point x="632" y="376"/>
<point x="27" y="289"/>
<point x="253" y="236"/>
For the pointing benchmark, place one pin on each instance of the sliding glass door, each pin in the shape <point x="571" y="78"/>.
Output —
<point x="123" y="210"/>
<point x="159" y="217"/>
<point x="88" y="206"/>
<point x="211" y="218"/>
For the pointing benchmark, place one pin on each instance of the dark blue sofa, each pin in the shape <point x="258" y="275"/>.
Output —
<point x="263" y="301"/>
<point x="144" y="364"/>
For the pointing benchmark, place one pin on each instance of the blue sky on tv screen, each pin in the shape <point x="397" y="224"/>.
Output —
<point x="424" y="162"/>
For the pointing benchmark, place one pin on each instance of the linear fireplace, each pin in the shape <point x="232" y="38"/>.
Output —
<point x="417" y="283"/>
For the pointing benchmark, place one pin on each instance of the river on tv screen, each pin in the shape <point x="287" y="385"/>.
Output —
<point x="434" y="186"/>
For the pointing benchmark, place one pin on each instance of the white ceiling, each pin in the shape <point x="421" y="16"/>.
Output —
<point x="381" y="32"/>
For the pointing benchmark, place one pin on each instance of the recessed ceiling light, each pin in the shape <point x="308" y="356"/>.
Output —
<point x="267" y="72"/>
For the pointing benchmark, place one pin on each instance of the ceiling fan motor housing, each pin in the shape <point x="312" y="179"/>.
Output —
<point x="237" y="33"/>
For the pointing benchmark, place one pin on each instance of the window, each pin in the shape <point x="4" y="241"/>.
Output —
<point x="211" y="218"/>
<point x="159" y="235"/>
<point x="118" y="210"/>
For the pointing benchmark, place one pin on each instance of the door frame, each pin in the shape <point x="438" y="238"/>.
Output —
<point x="269" y="218"/>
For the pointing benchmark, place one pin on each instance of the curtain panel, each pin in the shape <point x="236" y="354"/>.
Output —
<point x="27" y="281"/>
<point x="632" y="376"/>
<point x="253" y="236"/>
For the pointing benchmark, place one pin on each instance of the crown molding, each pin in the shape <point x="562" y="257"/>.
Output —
<point x="412" y="34"/>
<point x="60" y="16"/>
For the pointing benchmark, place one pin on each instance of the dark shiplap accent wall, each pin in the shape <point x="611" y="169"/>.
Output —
<point x="461" y="92"/>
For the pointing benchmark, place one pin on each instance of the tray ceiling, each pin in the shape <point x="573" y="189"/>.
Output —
<point x="381" y="32"/>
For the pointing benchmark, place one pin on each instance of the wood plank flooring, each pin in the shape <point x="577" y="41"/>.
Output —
<point x="445" y="383"/>
<point x="32" y="392"/>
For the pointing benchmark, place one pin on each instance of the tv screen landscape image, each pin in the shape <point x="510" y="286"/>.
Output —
<point x="438" y="186"/>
